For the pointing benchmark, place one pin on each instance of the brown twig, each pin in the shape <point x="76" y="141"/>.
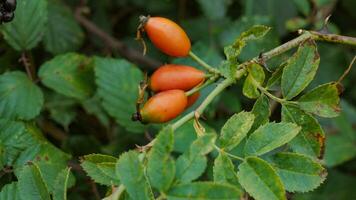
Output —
<point x="27" y="64"/>
<point x="94" y="189"/>
<point x="52" y="130"/>
<point x="125" y="51"/>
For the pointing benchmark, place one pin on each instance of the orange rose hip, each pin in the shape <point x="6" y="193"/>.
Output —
<point x="164" y="106"/>
<point x="167" y="36"/>
<point x="172" y="76"/>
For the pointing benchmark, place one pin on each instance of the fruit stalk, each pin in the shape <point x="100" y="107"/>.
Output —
<point x="208" y="67"/>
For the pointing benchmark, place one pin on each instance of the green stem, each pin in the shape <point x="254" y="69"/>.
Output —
<point x="199" y="87"/>
<point x="340" y="39"/>
<point x="284" y="47"/>
<point x="221" y="86"/>
<point x="182" y="120"/>
<point x="203" y="63"/>
<point x="229" y="154"/>
<point x="265" y="91"/>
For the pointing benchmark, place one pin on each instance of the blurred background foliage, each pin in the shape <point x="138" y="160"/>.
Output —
<point x="84" y="127"/>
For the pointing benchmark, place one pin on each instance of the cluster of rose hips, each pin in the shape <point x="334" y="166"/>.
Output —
<point x="7" y="8"/>
<point x="169" y="82"/>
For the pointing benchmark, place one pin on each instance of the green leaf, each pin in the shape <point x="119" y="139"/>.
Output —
<point x="341" y="137"/>
<point x="93" y="107"/>
<point x="235" y="129"/>
<point x="276" y="76"/>
<point x="261" y="111"/>
<point x="310" y="140"/>
<point x="298" y="173"/>
<point x="63" y="33"/>
<point x="204" y="190"/>
<point x="260" y="180"/>
<point x="101" y="168"/>
<point x="50" y="160"/>
<point x="61" y="108"/>
<point x="62" y="182"/>
<point x="270" y="136"/>
<point x="29" y="25"/>
<point x="189" y="168"/>
<point x="322" y="101"/>
<point x="117" y="82"/>
<point x="15" y="137"/>
<point x="214" y="9"/>
<point x="31" y="185"/>
<point x="224" y="170"/>
<point x="19" y="97"/>
<point x="131" y="173"/>
<point x="228" y="68"/>
<point x="184" y="136"/>
<point x="160" y="165"/>
<point x="192" y="163"/>
<point x="43" y="153"/>
<point x="10" y="192"/>
<point x="69" y="74"/>
<point x="50" y="172"/>
<point x="300" y="70"/>
<point x="255" y="76"/>
<point x="252" y="48"/>
<point x="253" y="33"/>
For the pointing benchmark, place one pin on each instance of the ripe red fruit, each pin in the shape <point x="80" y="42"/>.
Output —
<point x="164" y="106"/>
<point x="167" y="36"/>
<point x="171" y="76"/>
<point x="192" y="99"/>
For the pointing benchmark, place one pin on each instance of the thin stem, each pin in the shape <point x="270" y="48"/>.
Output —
<point x="233" y="156"/>
<point x="264" y="91"/>
<point x="221" y="86"/>
<point x="340" y="39"/>
<point x="347" y="70"/>
<point x="229" y="154"/>
<point x="267" y="93"/>
<point x="203" y="63"/>
<point x="199" y="87"/>
<point x="27" y="64"/>
<point x="285" y="47"/>
<point x="305" y="35"/>
<point x="182" y="120"/>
